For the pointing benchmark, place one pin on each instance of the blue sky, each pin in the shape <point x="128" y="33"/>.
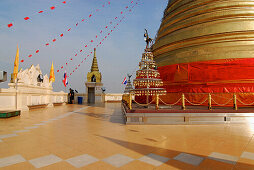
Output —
<point x="118" y="55"/>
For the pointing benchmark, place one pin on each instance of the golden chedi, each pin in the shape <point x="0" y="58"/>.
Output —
<point x="206" y="46"/>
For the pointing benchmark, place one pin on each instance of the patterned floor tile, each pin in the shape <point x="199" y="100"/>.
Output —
<point x="189" y="159"/>
<point x="154" y="159"/>
<point x="20" y="131"/>
<point x="39" y="124"/>
<point x="248" y="155"/>
<point x="45" y="161"/>
<point x="118" y="160"/>
<point x="81" y="160"/>
<point x="31" y="127"/>
<point x="7" y="136"/>
<point x="11" y="160"/>
<point x="223" y="157"/>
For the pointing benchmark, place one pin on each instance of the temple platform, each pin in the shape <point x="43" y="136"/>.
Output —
<point x="95" y="137"/>
<point x="191" y="115"/>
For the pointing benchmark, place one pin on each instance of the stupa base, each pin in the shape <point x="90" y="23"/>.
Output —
<point x="192" y="115"/>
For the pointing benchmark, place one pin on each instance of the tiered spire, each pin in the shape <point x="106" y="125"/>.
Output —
<point x="148" y="81"/>
<point x="94" y="66"/>
<point x="16" y="67"/>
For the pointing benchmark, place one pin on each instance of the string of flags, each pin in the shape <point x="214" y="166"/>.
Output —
<point x="47" y="44"/>
<point x="108" y="27"/>
<point x="75" y="68"/>
<point x="51" y="8"/>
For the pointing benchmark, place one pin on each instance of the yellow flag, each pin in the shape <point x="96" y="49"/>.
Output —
<point x="16" y="65"/>
<point x="52" y="74"/>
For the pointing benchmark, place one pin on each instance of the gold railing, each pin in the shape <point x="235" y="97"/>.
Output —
<point x="210" y="99"/>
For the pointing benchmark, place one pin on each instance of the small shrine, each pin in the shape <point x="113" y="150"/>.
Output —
<point x="148" y="82"/>
<point x="94" y="84"/>
<point x="128" y="86"/>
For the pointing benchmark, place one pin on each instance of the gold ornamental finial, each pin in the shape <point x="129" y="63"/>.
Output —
<point x="95" y="64"/>
<point x="52" y="74"/>
<point x="16" y="66"/>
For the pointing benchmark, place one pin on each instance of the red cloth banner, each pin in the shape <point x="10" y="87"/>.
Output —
<point x="217" y="76"/>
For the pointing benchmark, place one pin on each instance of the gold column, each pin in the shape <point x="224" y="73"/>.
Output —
<point x="209" y="101"/>
<point x="130" y="101"/>
<point x="235" y="102"/>
<point x="183" y="101"/>
<point x="157" y="101"/>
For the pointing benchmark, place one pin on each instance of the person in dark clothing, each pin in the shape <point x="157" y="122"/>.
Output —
<point x="71" y="96"/>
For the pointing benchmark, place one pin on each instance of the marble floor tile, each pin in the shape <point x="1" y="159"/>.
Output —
<point x="189" y="159"/>
<point x="82" y="160"/>
<point x="154" y="159"/>
<point x="11" y="160"/>
<point x="39" y="124"/>
<point x="7" y="136"/>
<point x="45" y="161"/>
<point x="118" y="160"/>
<point x="31" y="127"/>
<point x="248" y="155"/>
<point x="20" y="131"/>
<point x="223" y="157"/>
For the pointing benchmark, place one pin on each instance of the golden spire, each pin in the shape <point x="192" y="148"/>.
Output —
<point x="94" y="66"/>
<point x="52" y="74"/>
<point x="16" y="66"/>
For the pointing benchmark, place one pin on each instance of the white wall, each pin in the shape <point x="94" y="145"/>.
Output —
<point x="26" y="95"/>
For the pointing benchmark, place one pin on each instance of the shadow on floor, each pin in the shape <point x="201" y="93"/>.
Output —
<point x="145" y="150"/>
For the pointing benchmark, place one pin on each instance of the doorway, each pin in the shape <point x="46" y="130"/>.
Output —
<point x="91" y="95"/>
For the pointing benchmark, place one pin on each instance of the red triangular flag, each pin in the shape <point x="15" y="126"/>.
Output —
<point x="61" y="35"/>
<point x="30" y="55"/>
<point x="69" y="29"/>
<point x="37" y="51"/>
<point x="64" y="2"/>
<point x="54" y="40"/>
<point x="10" y="25"/>
<point x="26" y="18"/>
<point x="52" y="8"/>
<point x="22" y="61"/>
<point x="47" y="44"/>
<point x="40" y="12"/>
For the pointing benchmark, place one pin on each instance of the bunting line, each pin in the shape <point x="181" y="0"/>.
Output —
<point x="91" y="42"/>
<point x="51" y="8"/>
<point x="61" y="35"/>
<point x="100" y="43"/>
